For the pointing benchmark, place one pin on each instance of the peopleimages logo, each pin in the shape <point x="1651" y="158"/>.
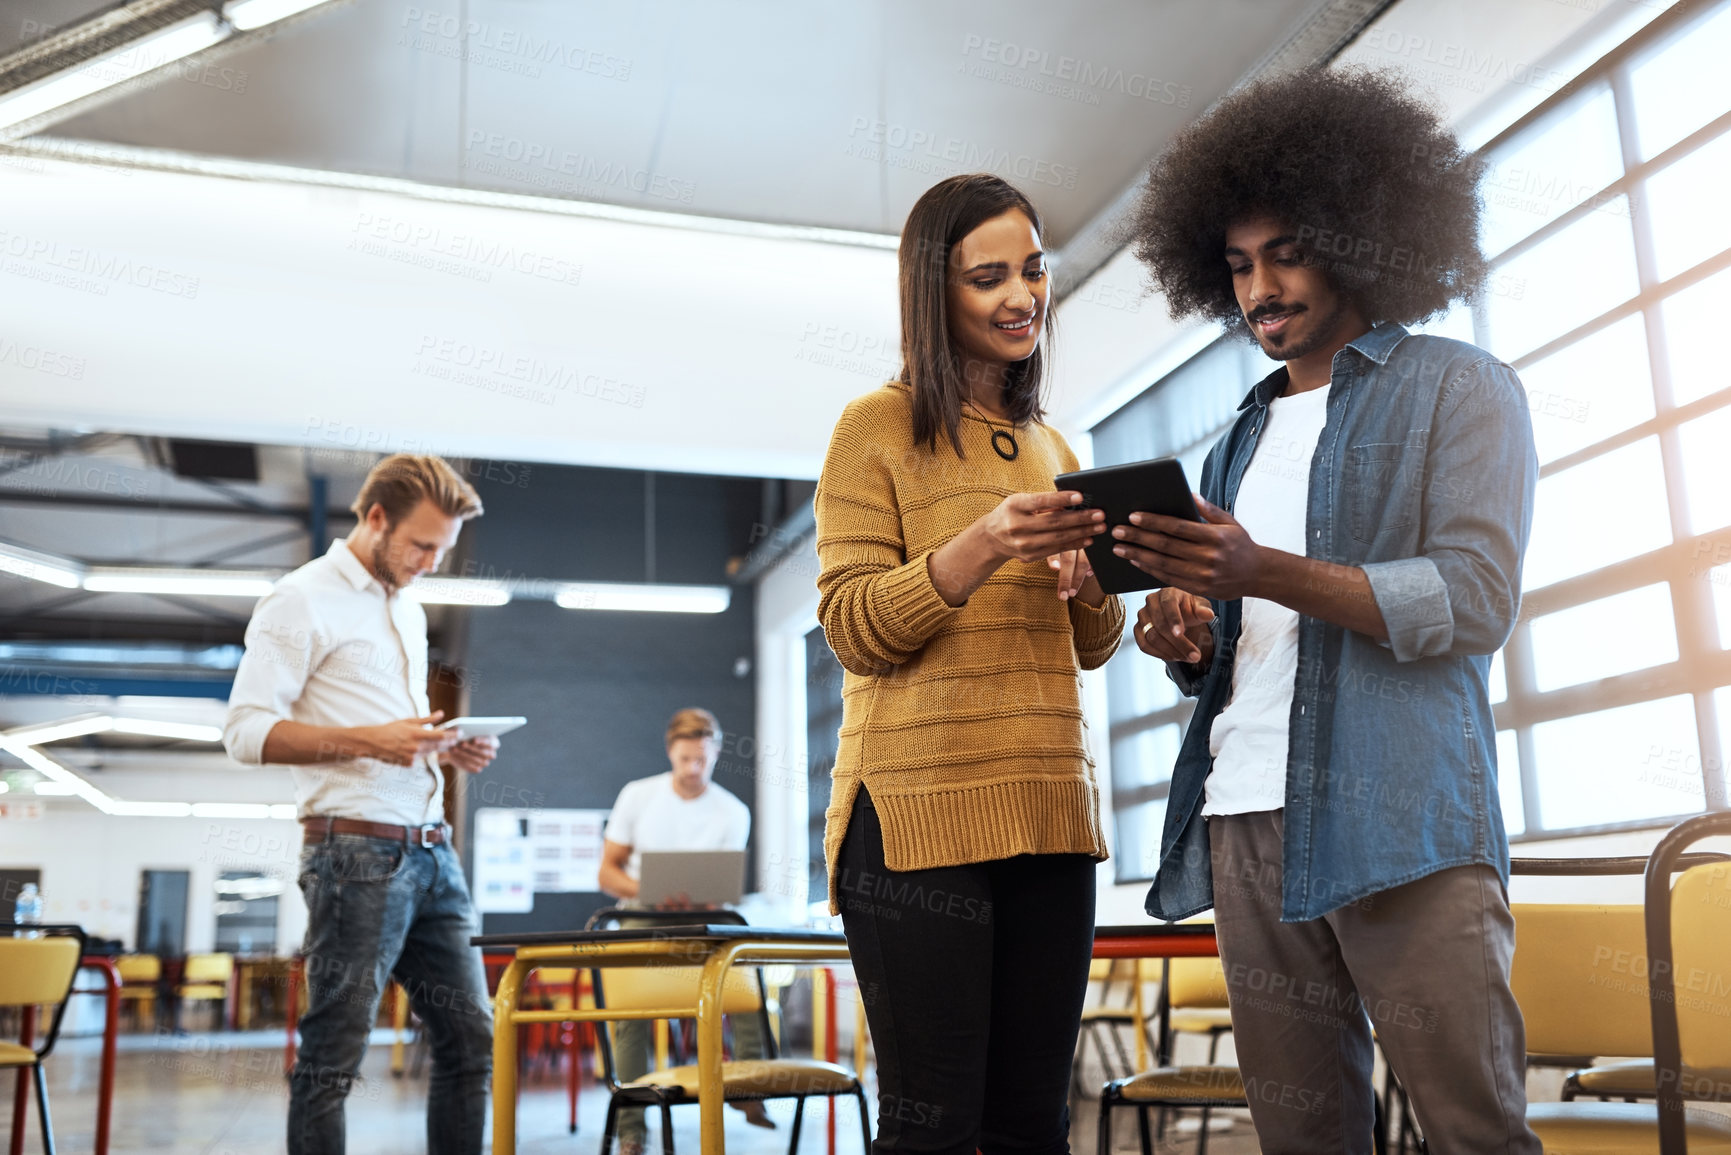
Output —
<point x="565" y="170"/>
<point x="1067" y="76"/>
<point x="924" y="151"/>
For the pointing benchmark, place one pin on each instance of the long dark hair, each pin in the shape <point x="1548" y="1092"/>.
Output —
<point x="944" y="214"/>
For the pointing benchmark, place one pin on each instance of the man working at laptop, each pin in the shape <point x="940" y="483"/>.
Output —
<point x="679" y="810"/>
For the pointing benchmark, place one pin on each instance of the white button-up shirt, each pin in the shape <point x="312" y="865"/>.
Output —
<point x="330" y="647"/>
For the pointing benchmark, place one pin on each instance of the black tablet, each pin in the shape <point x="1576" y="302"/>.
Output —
<point x="1157" y="486"/>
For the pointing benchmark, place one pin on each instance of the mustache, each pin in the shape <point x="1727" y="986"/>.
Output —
<point x="1263" y="312"/>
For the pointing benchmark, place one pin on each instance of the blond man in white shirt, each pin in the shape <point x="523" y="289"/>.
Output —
<point x="334" y="685"/>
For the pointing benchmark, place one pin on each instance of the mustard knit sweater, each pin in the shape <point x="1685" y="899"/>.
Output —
<point x="964" y="723"/>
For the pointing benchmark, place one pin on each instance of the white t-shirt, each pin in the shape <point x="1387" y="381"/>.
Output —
<point x="650" y="815"/>
<point x="1249" y="737"/>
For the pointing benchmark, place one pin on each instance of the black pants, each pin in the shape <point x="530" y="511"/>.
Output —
<point x="973" y="979"/>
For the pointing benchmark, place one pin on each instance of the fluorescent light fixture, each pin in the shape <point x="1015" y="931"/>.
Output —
<point x="42" y="567"/>
<point x="137" y="57"/>
<point x="231" y="810"/>
<point x="249" y="14"/>
<point x="49" y="768"/>
<point x="41" y="735"/>
<point x="185" y="731"/>
<point x="438" y="591"/>
<point x="643" y="597"/>
<point x="150" y="809"/>
<point x="201" y="583"/>
<point x="63" y="782"/>
<point x="46" y="732"/>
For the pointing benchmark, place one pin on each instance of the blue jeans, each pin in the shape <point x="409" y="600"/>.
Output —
<point x="377" y="910"/>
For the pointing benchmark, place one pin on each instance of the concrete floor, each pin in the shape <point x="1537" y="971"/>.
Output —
<point x="224" y="1094"/>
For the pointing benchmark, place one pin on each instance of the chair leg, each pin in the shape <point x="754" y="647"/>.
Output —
<point x="1202" y="1133"/>
<point x="1118" y="1045"/>
<point x="1103" y="1141"/>
<point x="1378" y="1125"/>
<point x="666" y="1128"/>
<point x="865" y="1129"/>
<point x="1142" y="1130"/>
<point x="609" y="1129"/>
<point x="42" y="1107"/>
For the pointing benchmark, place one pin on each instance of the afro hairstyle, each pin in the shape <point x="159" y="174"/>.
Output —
<point x="1374" y="187"/>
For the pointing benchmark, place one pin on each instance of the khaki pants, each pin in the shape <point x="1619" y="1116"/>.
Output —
<point x="1426" y="964"/>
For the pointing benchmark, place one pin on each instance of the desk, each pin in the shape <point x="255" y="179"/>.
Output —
<point x="715" y="949"/>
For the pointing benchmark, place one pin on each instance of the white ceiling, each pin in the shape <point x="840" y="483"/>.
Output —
<point x="768" y="111"/>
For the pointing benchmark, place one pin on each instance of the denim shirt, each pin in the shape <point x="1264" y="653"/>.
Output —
<point x="1423" y="477"/>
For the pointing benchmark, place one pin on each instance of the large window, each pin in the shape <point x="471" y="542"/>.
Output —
<point x="1611" y="248"/>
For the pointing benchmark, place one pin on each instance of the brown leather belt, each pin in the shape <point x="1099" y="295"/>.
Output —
<point x="317" y="829"/>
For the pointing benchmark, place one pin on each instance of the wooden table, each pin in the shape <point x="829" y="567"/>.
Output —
<point x="715" y="949"/>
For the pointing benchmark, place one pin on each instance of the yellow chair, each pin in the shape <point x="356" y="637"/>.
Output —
<point x="1193" y="1002"/>
<point x="205" y="978"/>
<point x="1107" y="1015"/>
<point x="38" y="972"/>
<point x="139" y="975"/>
<point x="643" y="988"/>
<point x="1580" y="975"/>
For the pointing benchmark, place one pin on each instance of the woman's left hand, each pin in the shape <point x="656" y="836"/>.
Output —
<point x="1073" y="569"/>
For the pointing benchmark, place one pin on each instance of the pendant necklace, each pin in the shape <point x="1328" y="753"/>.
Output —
<point x="1006" y="447"/>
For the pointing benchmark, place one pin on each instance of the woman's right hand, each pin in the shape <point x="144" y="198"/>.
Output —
<point x="1034" y="526"/>
<point x="1026" y="526"/>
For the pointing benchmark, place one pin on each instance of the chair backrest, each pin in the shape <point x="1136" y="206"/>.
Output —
<point x="37" y="972"/>
<point x="207" y="968"/>
<point x="1580" y="978"/>
<point x="642" y="988"/>
<point x="138" y="968"/>
<point x="1197" y="983"/>
<point x="1701" y="946"/>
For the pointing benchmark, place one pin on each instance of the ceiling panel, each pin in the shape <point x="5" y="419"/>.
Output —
<point x="836" y="115"/>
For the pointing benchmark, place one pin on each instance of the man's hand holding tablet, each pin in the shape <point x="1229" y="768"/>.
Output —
<point x="480" y="744"/>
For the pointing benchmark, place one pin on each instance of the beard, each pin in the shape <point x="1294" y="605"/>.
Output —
<point x="1320" y="334"/>
<point x="388" y="577"/>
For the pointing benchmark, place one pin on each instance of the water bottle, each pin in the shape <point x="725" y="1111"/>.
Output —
<point x="28" y="909"/>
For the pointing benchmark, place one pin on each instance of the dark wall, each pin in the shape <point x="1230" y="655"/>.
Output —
<point x="599" y="687"/>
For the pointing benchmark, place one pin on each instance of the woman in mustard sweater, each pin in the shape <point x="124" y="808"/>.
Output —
<point x="964" y="825"/>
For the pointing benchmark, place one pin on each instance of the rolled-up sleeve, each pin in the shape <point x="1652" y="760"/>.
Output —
<point x="877" y="606"/>
<point x="1097" y="630"/>
<point x="282" y="649"/>
<point x="1462" y="594"/>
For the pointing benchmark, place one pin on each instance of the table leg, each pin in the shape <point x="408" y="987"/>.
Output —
<point x="21" y="1096"/>
<point x="292" y="1016"/>
<point x="576" y="1045"/>
<point x="711" y="1104"/>
<point x="505" y="1058"/>
<point x="830" y="1043"/>
<point x="399" y="1027"/>
<point x="110" y="1040"/>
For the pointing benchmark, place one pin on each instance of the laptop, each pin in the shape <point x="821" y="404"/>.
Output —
<point x="701" y="876"/>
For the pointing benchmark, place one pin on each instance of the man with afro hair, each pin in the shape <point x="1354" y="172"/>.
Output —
<point x="1335" y="798"/>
